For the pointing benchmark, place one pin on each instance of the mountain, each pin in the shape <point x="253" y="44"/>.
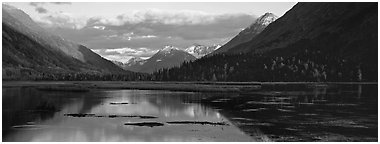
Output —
<point x="28" y="48"/>
<point x="167" y="57"/>
<point x="250" y="32"/>
<point x="133" y="64"/>
<point x="199" y="51"/>
<point x="345" y="27"/>
<point x="326" y="41"/>
<point x="344" y="31"/>
<point x="135" y="61"/>
<point x="120" y="64"/>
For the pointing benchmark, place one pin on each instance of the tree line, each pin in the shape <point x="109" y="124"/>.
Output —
<point x="306" y="65"/>
<point x="288" y="65"/>
<point x="30" y="74"/>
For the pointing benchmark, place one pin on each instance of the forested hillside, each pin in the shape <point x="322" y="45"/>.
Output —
<point x="339" y="47"/>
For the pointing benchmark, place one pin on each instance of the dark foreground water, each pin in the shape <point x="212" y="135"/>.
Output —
<point x="277" y="113"/>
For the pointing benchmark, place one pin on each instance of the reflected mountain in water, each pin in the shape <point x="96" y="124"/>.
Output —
<point x="277" y="113"/>
<point x="167" y="106"/>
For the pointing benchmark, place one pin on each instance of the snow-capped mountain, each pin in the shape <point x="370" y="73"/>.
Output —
<point x="132" y="64"/>
<point x="250" y="32"/>
<point x="199" y="51"/>
<point x="135" y="61"/>
<point x="166" y="57"/>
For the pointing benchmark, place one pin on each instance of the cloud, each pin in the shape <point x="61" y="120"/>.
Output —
<point x="166" y="17"/>
<point x="99" y="27"/>
<point x="41" y="10"/>
<point x="185" y="24"/>
<point x="124" y="54"/>
<point x="61" y="3"/>
<point x="36" y="4"/>
<point x="184" y="17"/>
<point x="146" y="36"/>
<point x="121" y="50"/>
<point x="62" y="20"/>
<point x="122" y="36"/>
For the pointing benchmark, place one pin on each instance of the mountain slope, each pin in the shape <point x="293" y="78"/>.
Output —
<point x="312" y="42"/>
<point x="27" y="46"/>
<point x="340" y="24"/>
<point x="250" y="32"/>
<point x="21" y="51"/>
<point x="347" y="31"/>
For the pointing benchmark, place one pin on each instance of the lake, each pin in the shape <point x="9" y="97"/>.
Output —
<point x="345" y="112"/>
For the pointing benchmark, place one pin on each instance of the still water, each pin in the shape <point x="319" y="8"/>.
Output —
<point x="277" y="113"/>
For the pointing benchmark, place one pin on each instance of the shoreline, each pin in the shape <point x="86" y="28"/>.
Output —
<point x="217" y="87"/>
<point x="230" y="87"/>
<point x="172" y="86"/>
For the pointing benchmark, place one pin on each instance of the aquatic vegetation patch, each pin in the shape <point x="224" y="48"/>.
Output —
<point x="254" y="110"/>
<point x="197" y="122"/>
<point x="121" y="103"/>
<point x="262" y="124"/>
<point x="284" y="110"/>
<point x="241" y="118"/>
<point x="147" y="124"/>
<point x="63" y="88"/>
<point x="341" y="104"/>
<point x="308" y="114"/>
<point x="111" y="116"/>
<point x="220" y="100"/>
<point x="267" y="103"/>
<point x="28" y="127"/>
<point x="80" y="115"/>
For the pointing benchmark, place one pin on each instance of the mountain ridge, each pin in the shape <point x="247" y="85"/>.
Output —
<point x="248" y="33"/>
<point x="167" y="57"/>
<point x="297" y="25"/>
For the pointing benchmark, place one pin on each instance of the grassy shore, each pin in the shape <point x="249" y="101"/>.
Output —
<point x="173" y="86"/>
<point x="235" y="87"/>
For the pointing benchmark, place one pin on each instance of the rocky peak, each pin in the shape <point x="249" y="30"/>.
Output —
<point x="199" y="51"/>
<point x="169" y="48"/>
<point x="266" y="19"/>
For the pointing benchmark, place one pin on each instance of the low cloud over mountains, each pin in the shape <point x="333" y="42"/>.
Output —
<point x="143" y="31"/>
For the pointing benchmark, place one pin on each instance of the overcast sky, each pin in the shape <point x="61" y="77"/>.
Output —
<point x="119" y="31"/>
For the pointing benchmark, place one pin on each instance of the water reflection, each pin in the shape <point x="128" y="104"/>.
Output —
<point x="333" y="113"/>
<point x="277" y="113"/>
<point x="23" y="122"/>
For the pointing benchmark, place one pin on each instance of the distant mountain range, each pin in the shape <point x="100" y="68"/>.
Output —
<point x="166" y="57"/>
<point x="250" y="32"/>
<point x="30" y="51"/>
<point x="197" y="50"/>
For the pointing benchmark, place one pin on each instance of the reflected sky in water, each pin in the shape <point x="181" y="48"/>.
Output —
<point x="34" y="125"/>
<point x="275" y="113"/>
